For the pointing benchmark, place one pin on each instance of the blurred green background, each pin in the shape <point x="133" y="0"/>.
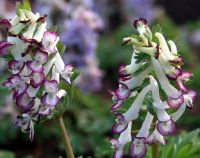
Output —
<point x="88" y="118"/>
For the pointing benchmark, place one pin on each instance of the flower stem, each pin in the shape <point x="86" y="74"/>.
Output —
<point x="65" y="138"/>
<point x="155" y="150"/>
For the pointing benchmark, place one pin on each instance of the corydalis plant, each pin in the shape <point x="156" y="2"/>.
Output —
<point x="33" y="54"/>
<point x="154" y="85"/>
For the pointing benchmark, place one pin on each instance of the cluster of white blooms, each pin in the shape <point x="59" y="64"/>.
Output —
<point x="155" y="69"/>
<point x="35" y="64"/>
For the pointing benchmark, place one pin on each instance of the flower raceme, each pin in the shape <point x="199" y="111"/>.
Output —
<point x="155" y="67"/>
<point x="36" y="67"/>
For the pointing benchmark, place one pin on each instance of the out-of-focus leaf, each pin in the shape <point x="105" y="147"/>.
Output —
<point x="6" y="154"/>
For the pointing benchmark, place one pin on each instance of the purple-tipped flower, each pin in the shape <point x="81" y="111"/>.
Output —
<point x="50" y="98"/>
<point x="36" y="64"/>
<point x="5" y="48"/>
<point x="5" y="24"/>
<point x="162" y="72"/>
<point x="166" y="128"/>
<point x="138" y="148"/>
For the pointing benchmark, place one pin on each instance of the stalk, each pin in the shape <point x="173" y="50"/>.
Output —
<point x="155" y="150"/>
<point x="65" y="138"/>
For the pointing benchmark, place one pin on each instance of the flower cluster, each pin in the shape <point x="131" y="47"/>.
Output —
<point x="153" y="84"/>
<point x="139" y="8"/>
<point x="36" y="66"/>
<point x="80" y="35"/>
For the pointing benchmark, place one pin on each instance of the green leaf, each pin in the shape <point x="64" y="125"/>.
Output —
<point x="142" y="57"/>
<point x="53" y="28"/>
<point x="75" y="74"/>
<point x="183" y="152"/>
<point x="8" y="57"/>
<point x="6" y="154"/>
<point x="141" y="69"/>
<point x="156" y="28"/>
<point x="195" y="149"/>
<point x="61" y="47"/>
<point x="169" y="151"/>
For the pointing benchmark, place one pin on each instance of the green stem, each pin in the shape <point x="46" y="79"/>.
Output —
<point x="155" y="150"/>
<point x="65" y="138"/>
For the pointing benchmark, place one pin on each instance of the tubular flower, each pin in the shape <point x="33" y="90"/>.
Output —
<point x="154" y="67"/>
<point x="36" y="67"/>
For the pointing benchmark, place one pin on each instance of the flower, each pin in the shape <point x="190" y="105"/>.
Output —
<point x="35" y="63"/>
<point x="154" y="67"/>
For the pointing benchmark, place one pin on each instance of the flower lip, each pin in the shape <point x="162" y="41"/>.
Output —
<point x="177" y="61"/>
<point x="138" y="147"/>
<point x="135" y="23"/>
<point x="51" y="86"/>
<point x="67" y="73"/>
<point x="5" y="24"/>
<point x="41" y="19"/>
<point x="122" y="92"/>
<point x="156" y="137"/>
<point x="122" y="72"/>
<point x="174" y="76"/>
<point x="34" y="66"/>
<point x="41" y="56"/>
<point x="118" y="148"/>
<point x="166" y="128"/>
<point x="25" y="102"/>
<point x="49" y="100"/>
<point x="16" y="66"/>
<point x="37" y="79"/>
<point x="184" y="77"/>
<point x="189" y="97"/>
<point x="117" y="105"/>
<point x="114" y="142"/>
<point x="175" y="103"/>
<point x="4" y="47"/>
<point x="15" y="81"/>
<point x="121" y="124"/>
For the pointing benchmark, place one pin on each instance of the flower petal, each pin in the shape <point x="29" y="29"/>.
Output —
<point x="5" y="24"/>
<point x="156" y="137"/>
<point x="49" y="100"/>
<point x="37" y="79"/>
<point x="174" y="76"/>
<point x="41" y="56"/>
<point x="122" y="92"/>
<point x="4" y="48"/>
<point x="189" y="98"/>
<point x="16" y="66"/>
<point x="117" y="105"/>
<point x="24" y="102"/>
<point x="166" y="128"/>
<point x="49" y="40"/>
<point x="118" y="153"/>
<point x="175" y="103"/>
<point x="138" y="148"/>
<point x="34" y="66"/>
<point x="120" y="125"/>
<point x="51" y="86"/>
